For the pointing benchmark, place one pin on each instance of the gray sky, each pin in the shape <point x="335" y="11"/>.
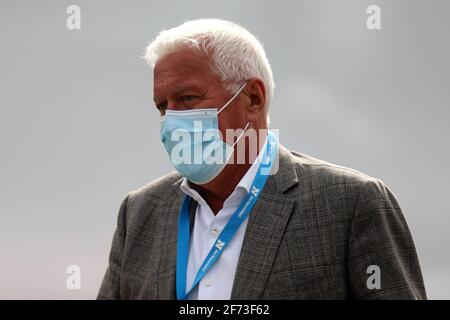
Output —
<point x="78" y="129"/>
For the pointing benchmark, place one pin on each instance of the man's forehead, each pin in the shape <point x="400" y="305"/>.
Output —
<point x="182" y="71"/>
<point x="182" y="62"/>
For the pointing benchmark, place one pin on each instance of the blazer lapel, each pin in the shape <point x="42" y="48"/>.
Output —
<point x="166" y="282"/>
<point x="265" y="229"/>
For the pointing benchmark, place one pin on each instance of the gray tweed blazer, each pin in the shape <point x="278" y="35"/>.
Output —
<point x="313" y="233"/>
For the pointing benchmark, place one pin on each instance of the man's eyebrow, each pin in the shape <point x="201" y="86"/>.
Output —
<point x="180" y="89"/>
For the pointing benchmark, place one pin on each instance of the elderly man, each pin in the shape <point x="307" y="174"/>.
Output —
<point x="279" y="225"/>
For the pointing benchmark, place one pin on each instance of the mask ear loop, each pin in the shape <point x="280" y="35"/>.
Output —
<point x="232" y="98"/>
<point x="227" y="104"/>
<point x="240" y="136"/>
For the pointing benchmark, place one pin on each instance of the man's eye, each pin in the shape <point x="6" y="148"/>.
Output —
<point x="187" y="98"/>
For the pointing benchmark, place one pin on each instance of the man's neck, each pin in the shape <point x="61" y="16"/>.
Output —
<point x="217" y="191"/>
<point x="220" y="188"/>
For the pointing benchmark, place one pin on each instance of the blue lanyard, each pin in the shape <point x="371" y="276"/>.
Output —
<point x="230" y="229"/>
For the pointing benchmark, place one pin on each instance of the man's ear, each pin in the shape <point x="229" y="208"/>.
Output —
<point x="255" y="90"/>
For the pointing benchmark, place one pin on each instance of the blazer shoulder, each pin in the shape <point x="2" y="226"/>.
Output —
<point x="325" y="172"/>
<point x="332" y="183"/>
<point x="142" y="202"/>
<point x="335" y="181"/>
<point x="156" y="190"/>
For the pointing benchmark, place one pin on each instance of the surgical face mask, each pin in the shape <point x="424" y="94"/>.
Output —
<point x="192" y="140"/>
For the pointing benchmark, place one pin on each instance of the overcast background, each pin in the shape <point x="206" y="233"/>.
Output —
<point x="78" y="130"/>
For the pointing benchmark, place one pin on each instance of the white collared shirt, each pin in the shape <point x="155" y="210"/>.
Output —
<point x="217" y="283"/>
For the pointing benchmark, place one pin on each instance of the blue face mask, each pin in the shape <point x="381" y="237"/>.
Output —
<point x="192" y="140"/>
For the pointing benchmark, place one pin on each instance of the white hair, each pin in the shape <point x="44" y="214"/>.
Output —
<point x="235" y="53"/>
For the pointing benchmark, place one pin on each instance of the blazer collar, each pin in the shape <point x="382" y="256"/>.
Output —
<point x="265" y="229"/>
<point x="286" y="176"/>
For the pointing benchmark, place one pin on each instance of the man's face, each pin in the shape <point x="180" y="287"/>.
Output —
<point x="184" y="80"/>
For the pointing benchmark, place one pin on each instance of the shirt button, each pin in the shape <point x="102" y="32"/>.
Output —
<point x="208" y="282"/>
<point x="214" y="232"/>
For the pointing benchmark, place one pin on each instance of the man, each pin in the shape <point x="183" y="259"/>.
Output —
<point x="225" y="230"/>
